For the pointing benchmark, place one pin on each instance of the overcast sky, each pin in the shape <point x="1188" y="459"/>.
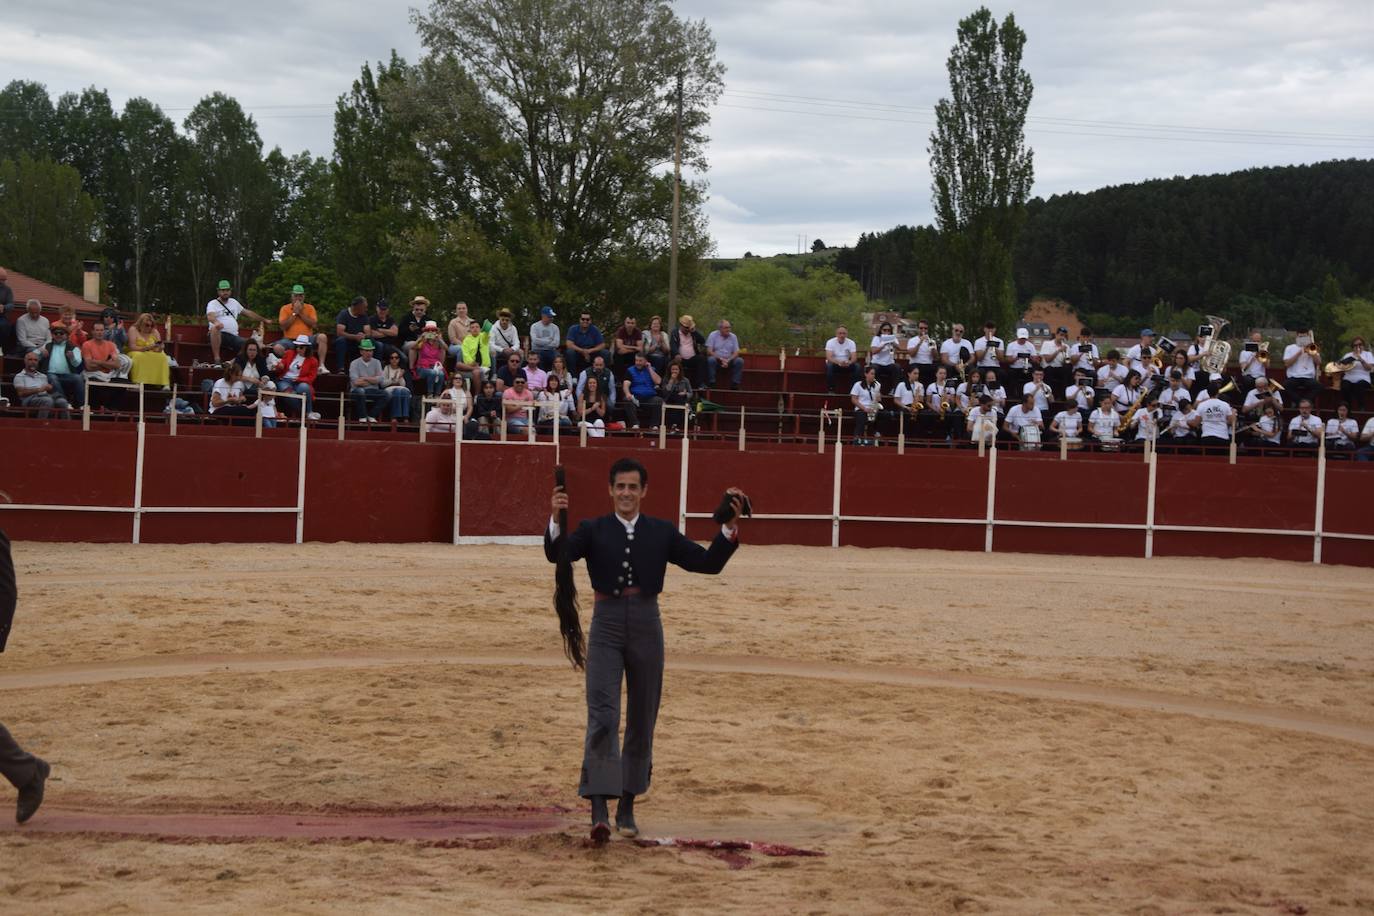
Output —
<point x="823" y="127"/>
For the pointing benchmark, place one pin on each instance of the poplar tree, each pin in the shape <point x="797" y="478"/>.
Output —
<point x="981" y="172"/>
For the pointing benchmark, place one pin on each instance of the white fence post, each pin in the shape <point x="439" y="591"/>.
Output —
<point x="1150" y="508"/>
<point x="992" y="498"/>
<point x="300" y="477"/>
<point x="1321" y="502"/>
<point x="835" y="494"/>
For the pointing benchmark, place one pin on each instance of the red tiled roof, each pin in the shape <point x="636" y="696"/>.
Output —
<point x="52" y="297"/>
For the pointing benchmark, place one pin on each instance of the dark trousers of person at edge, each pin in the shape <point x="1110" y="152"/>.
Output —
<point x="16" y="764"/>
<point x="626" y="639"/>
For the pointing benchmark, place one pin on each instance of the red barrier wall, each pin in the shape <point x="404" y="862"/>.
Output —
<point x="380" y="489"/>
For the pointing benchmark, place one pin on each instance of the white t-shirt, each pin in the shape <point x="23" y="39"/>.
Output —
<point x="436" y="421"/>
<point x="886" y="344"/>
<point x="1137" y="359"/>
<point x="1179" y="424"/>
<point x="1305" y="429"/>
<point x="990" y="347"/>
<point x="1070" y="423"/>
<point x="1363" y="363"/>
<point x="267" y="405"/>
<point x="1050" y="354"/>
<point x="921" y="353"/>
<point x="998" y="395"/>
<point x="1368" y="432"/>
<point x="984" y="421"/>
<point x="1082" y="395"/>
<point x="1125" y="397"/>
<point x="226" y="312"/>
<point x="909" y="393"/>
<point x="1018" y="417"/>
<point x="956" y="351"/>
<point x="1103" y="423"/>
<point x="293" y="368"/>
<point x="1020" y="353"/>
<point x="1253" y="398"/>
<point x="868" y="398"/>
<point x="1146" y="425"/>
<point x="934" y="392"/>
<point x="1304" y="366"/>
<point x="1109" y="376"/>
<point x="1171" y="397"/>
<point x="1042" y="394"/>
<point x="1345" y="432"/>
<point x="1215" y="415"/>
<point x="1250" y="364"/>
<point x="1085" y="360"/>
<point x="844" y="350"/>
<point x="225" y="391"/>
<point x="1269" y="429"/>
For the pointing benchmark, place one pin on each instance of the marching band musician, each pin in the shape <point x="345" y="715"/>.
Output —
<point x="1252" y="365"/>
<point x="995" y="390"/>
<point x="1302" y="361"/>
<point x="1305" y="430"/>
<point x="1140" y="357"/>
<point x="1037" y="389"/>
<point x="1341" y="431"/>
<point x="988" y="349"/>
<point x="880" y="355"/>
<point x="867" y="398"/>
<point x="1181" y="426"/>
<point x="955" y="351"/>
<point x="982" y="421"/>
<point x="921" y="351"/>
<point x="1145" y="421"/>
<point x="1112" y="372"/>
<point x="1067" y="424"/>
<point x="968" y="391"/>
<point x="944" y="403"/>
<point x="1181" y="364"/>
<point x="1366" y="452"/>
<point x="1259" y="396"/>
<point x="1022" y="415"/>
<point x="1085" y="356"/>
<point x="1267" y="429"/>
<point x="1081" y="393"/>
<point x="1128" y="392"/>
<point x="1355" y="381"/>
<point x="1024" y="357"/>
<point x="1102" y="422"/>
<point x="1171" y="397"/>
<point x="1214" y="419"/>
<point x="1202" y="381"/>
<point x="1055" y="355"/>
<point x="910" y="394"/>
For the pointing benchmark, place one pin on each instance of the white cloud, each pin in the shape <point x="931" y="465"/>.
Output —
<point x="1281" y="66"/>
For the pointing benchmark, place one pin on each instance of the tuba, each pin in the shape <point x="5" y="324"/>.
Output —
<point x="1216" y="353"/>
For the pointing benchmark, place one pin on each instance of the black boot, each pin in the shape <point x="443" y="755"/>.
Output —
<point x="625" y="816"/>
<point x="601" y="821"/>
<point x="31" y="796"/>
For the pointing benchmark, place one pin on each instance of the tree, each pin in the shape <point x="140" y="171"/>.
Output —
<point x="48" y="225"/>
<point x="323" y="289"/>
<point x="142" y="238"/>
<point x="818" y="245"/>
<point x="981" y="168"/>
<point x="550" y="124"/>
<point x="27" y="113"/>
<point x="770" y="306"/>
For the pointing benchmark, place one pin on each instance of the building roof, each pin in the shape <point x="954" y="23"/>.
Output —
<point x="53" y="297"/>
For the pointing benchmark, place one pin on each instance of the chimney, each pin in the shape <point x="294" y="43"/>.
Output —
<point x="90" y="290"/>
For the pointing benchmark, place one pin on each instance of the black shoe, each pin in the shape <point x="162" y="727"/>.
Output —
<point x="625" y="817"/>
<point x="601" y="821"/>
<point x="31" y="796"/>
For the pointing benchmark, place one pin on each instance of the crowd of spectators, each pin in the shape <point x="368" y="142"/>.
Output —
<point x="961" y="390"/>
<point x="488" y="376"/>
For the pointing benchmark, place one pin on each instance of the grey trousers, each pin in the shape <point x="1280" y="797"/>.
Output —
<point x="16" y="764"/>
<point x="626" y="641"/>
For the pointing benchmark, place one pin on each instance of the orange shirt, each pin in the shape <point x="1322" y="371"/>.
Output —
<point x="101" y="350"/>
<point x="292" y="327"/>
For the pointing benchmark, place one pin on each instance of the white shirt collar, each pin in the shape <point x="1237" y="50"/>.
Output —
<point x="629" y="525"/>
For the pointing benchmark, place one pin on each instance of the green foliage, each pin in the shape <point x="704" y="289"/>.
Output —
<point x="1355" y="316"/>
<point x="981" y="170"/>
<point x="142" y="233"/>
<point x="770" y="306"/>
<point x="48" y="224"/>
<point x="549" y="124"/>
<point x="272" y="289"/>
<point x="27" y="113"/>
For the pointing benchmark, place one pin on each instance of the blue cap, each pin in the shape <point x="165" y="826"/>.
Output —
<point x="546" y="310"/>
<point x="1150" y="331"/>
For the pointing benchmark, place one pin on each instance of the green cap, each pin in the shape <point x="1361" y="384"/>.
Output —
<point x="224" y="284"/>
<point x="298" y="290"/>
<point x="367" y="345"/>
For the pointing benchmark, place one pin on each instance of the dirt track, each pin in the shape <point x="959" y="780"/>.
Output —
<point x="956" y="733"/>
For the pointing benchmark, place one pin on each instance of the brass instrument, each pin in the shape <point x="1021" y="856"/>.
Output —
<point x="1130" y="414"/>
<point x="1263" y="354"/>
<point x="1312" y="349"/>
<point x="1342" y="365"/>
<point x="1229" y="387"/>
<point x="1215" y="351"/>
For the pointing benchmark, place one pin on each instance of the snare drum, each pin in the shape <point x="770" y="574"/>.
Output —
<point x="1073" y="443"/>
<point x="1030" y="438"/>
<point x="1110" y="444"/>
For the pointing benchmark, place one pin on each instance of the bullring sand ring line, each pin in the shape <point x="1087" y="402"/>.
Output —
<point x="175" y="666"/>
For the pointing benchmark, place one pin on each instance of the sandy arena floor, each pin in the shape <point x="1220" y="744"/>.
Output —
<point x="353" y="728"/>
